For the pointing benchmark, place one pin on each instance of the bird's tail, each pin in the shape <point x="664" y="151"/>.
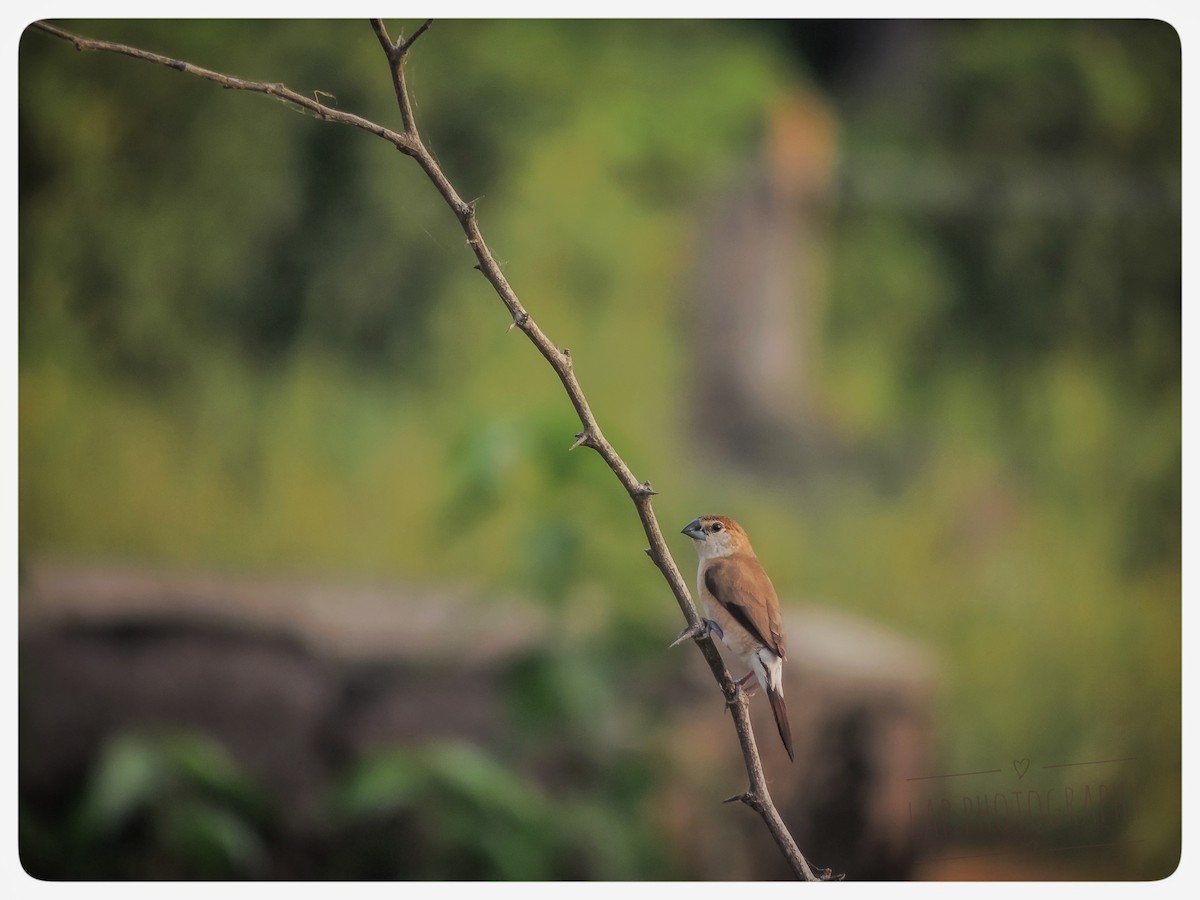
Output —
<point x="781" y="720"/>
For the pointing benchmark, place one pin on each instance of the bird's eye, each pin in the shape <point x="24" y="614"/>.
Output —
<point x="716" y="527"/>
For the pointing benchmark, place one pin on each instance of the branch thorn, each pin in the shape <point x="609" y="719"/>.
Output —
<point x="698" y="631"/>
<point x="580" y="439"/>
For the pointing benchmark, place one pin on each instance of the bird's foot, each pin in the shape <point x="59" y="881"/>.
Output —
<point x="745" y="686"/>
<point x="748" y="683"/>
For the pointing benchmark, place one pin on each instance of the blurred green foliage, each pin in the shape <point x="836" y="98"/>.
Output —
<point x="175" y="806"/>
<point x="472" y="817"/>
<point x="250" y="340"/>
<point x="158" y="806"/>
<point x="1019" y="324"/>
<point x="451" y="811"/>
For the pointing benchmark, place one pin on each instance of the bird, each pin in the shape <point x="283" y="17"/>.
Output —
<point x="742" y="608"/>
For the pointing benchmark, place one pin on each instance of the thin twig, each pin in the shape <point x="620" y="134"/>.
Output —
<point x="757" y="797"/>
<point x="273" y="89"/>
<point x="416" y="34"/>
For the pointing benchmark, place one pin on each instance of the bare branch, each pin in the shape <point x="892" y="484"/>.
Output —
<point x="272" y="89"/>
<point x="758" y="797"/>
<point x="396" y="52"/>
<point x="409" y="142"/>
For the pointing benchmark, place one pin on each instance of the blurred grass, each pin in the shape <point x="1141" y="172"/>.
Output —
<point x="376" y="418"/>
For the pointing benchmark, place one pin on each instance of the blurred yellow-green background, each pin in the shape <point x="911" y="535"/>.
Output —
<point x="901" y="296"/>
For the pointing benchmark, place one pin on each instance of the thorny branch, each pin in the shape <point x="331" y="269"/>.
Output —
<point x="409" y="142"/>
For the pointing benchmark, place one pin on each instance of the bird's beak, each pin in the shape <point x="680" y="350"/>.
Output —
<point x="694" y="531"/>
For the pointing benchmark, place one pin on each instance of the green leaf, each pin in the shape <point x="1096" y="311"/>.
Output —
<point x="212" y="841"/>
<point x="128" y="776"/>
<point x="383" y="782"/>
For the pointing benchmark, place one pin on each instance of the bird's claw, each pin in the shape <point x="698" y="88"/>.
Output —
<point x="740" y="690"/>
<point x="748" y="684"/>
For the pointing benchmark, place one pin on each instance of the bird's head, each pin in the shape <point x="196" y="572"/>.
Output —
<point x="717" y="536"/>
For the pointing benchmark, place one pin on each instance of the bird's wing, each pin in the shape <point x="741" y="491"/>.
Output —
<point x="741" y="586"/>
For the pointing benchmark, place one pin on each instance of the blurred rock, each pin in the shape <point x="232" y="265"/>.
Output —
<point x="297" y="681"/>
<point x="294" y="679"/>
